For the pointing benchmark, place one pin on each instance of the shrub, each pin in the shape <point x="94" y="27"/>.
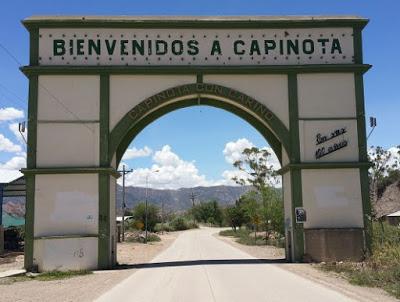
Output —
<point x="13" y="238"/>
<point x="179" y="224"/>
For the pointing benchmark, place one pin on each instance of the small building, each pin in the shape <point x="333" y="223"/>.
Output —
<point x="126" y="218"/>
<point x="394" y="218"/>
<point x="13" y="187"/>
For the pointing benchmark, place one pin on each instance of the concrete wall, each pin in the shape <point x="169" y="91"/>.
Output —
<point x="66" y="254"/>
<point x="68" y="204"/>
<point x="127" y="91"/>
<point x="270" y="90"/>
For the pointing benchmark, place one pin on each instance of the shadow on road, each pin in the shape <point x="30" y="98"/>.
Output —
<point x="200" y="262"/>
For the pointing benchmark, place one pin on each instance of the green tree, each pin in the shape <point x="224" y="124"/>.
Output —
<point x="385" y="168"/>
<point x="139" y="215"/>
<point x="208" y="212"/>
<point x="235" y="216"/>
<point x="260" y="174"/>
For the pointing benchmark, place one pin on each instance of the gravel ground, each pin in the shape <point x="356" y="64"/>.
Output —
<point x="11" y="261"/>
<point x="87" y="287"/>
<point x="310" y="271"/>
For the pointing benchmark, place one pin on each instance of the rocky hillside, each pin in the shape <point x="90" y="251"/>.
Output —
<point x="389" y="202"/>
<point x="174" y="200"/>
<point x="179" y="200"/>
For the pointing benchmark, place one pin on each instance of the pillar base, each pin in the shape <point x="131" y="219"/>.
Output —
<point x="330" y="245"/>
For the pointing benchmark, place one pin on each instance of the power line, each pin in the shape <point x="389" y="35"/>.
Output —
<point x="47" y="90"/>
<point x="19" y="99"/>
<point x="10" y="54"/>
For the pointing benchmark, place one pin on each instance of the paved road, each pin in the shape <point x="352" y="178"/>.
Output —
<point x="198" y="267"/>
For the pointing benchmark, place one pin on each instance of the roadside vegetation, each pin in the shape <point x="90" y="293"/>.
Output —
<point x="257" y="217"/>
<point x="47" y="276"/>
<point x="382" y="267"/>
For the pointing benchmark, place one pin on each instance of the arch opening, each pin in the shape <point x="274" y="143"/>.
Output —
<point x="254" y="112"/>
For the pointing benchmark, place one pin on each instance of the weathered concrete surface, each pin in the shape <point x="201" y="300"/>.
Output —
<point x="334" y="244"/>
<point x="199" y="267"/>
<point x="1" y="239"/>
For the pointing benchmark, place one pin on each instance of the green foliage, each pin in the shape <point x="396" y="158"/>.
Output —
<point x="178" y="223"/>
<point x="139" y="215"/>
<point x="262" y="207"/>
<point x="208" y="212"/>
<point x="235" y="216"/>
<point x="47" y="276"/>
<point x="140" y="238"/>
<point x="385" y="170"/>
<point x="382" y="268"/>
<point x="13" y="238"/>
<point x="245" y="236"/>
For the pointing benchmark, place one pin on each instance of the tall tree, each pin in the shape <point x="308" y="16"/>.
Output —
<point x="385" y="163"/>
<point x="260" y="174"/>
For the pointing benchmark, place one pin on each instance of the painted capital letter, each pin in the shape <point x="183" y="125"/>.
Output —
<point x="235" y="47"/>
<point x="216" y="48"/>
<point x="58" y="47"/>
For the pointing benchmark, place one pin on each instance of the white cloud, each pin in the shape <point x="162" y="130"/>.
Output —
<point x="14" y="129"/>
<point x="10" y="113"/>
<point x="10" y="170"/>
<point x="15" y="163"/>
<point x="233" y="150"/>
<point x="169" y="171"/>
<point x="132" y="153"/>
<point x="7" y="145"/>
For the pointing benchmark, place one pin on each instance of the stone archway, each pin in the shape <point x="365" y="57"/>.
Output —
<point x="296" y="80"/>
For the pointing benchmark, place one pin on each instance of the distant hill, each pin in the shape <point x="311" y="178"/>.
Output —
<point x="174" y="200"/>
<point x="179" y="200"/>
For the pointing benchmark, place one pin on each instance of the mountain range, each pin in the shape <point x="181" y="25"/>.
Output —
<point x="180" y="199"/>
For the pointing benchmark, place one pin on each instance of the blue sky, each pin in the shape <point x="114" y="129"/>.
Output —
<point x="189" y="132"/>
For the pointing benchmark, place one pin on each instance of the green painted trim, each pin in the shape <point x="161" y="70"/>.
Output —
<point x="234" y="69"/>
<point x="68" y="121"/>
<point x="32" y="120"/>
<point x="363" y="156"/>
<point x="155" y="106"/>
<point x="65" y="237"/>
<point x="72" y="170"/>
<point x="323" y="165"/>
<point x="326" y="118"/>
<point x="34" y="47"/>
<point x="335" y="228"/>
<point x="195" y="22"/>
<point x="29" y="221"/>
<point x="265" y="132"/>
<point x="104" y="119"/>
<point x="31" y="164"/>
<point x="104" y="241"/>
<point x="295" y="175"/>
<point x="357" y="41"/>
<point x="366" y="205"/>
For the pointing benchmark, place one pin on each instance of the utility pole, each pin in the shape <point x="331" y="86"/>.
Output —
<point x="124" y="172"/>
<point x="147" y="195"/>
<point x="192" y="198"/>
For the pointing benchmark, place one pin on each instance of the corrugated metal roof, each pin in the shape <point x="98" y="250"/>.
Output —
<point x="395" y="214"/>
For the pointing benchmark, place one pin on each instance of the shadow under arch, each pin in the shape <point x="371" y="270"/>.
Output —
<point x="238" y="103"/>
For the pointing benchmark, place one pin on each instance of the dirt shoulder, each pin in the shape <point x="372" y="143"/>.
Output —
<point x="87" y="287"/>
<point x="310" y="271"/>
